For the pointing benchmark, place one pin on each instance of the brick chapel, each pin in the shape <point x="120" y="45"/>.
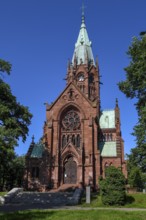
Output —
<point x="79" y="139"/>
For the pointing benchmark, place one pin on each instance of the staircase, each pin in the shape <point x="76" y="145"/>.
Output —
<point x="52" y="198"/>
<point x="65" y="195"/>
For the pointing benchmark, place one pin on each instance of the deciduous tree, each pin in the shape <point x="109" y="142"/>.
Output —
<point x="134" y="87"/>
<point x="14" y="122"/>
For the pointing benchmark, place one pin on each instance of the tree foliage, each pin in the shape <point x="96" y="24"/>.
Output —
<point x="135" y="178"/>
<point x="112" y="188"/>
<point x="134" y="87"/>
<point x="14" y="117"/>
<point x="14" y="121"/>
<point x="12" y="171"/>
<point x="5" y="66"/>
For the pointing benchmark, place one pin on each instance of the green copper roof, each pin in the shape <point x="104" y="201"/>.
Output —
<point x="107" y="119"/>
<point x="108" y="149"/>
<point x="83" y="51"/>
<point x="37" y="151"/>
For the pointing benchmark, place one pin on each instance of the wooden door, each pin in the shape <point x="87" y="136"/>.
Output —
<point x="70" y="171"/>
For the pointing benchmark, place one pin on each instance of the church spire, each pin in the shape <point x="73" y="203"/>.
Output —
<point x="83" y="47"/>
<point x="83" y="13"/>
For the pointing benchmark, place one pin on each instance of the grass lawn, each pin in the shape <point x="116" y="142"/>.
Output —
<point x="74" y="215"/>
<point x="136" y="201"/>
<point x="133" y="201"/>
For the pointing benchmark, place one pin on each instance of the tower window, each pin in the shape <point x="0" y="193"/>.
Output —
<point x="81" y="77"/>
<point x="91" y="78"/>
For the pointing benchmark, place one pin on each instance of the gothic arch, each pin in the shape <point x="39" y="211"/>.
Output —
<point x="70" y="106"/>
<point x="69" y="154"/>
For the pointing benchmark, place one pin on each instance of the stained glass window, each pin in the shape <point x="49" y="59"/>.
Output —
<point x="71" y="121"/>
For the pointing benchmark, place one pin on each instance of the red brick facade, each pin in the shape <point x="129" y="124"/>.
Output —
<point x="72" y="135"/>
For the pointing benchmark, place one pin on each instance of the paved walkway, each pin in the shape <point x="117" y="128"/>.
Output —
<point x="20" y="207"/>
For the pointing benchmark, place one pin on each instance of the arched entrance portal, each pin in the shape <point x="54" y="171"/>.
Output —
<point x="70" y="171"/>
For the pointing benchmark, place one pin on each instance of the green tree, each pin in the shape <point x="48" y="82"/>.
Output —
<point x="134" y="87"/>
<point x="15" y="172"/>
<point x="135" y="178"/>
<point x="112" y="188"/>
<point x="14" y="121"/>
<point x="5" y="66"/>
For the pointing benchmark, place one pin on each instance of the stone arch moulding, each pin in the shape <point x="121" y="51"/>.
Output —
<point x="70" y="154"/>
<point x="70" y="105"/>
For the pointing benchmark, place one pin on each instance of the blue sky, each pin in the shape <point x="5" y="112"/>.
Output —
<point x="38" y="37"/>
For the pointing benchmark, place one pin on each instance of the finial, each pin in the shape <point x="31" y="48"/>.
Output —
<point x="32" y="139"/>
<point x="83" y="13"/>
<point x="116" y="102"/>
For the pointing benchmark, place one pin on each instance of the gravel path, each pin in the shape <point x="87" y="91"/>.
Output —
<point x="20" y="207"/>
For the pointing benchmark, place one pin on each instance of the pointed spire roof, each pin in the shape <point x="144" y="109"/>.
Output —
<point x="83" y="47"/>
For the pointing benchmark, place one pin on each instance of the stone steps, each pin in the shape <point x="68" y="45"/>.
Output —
<point x="65" y="195"/>
<point x="54" y="198"/>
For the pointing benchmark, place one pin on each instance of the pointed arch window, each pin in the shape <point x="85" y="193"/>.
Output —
<point x="111" y="137"/>
<point x="91" y="78"/>
<point x="70" y="127"/>
<point x="78" y="140"/>
<point x="108" y="136"/>
<point x="64" y="141"/>
<point x="81" y="77"/>
<point x="73" y="139"/>
<point x="67" y="138"/>
<point x="104" y="137"/>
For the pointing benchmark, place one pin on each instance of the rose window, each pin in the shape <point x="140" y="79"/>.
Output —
<point x="71" y="121"/>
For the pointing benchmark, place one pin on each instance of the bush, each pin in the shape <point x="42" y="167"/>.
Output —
<point x="112" y="188"/>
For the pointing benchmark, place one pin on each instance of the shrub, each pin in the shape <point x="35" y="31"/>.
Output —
<point x="112" y="188"/>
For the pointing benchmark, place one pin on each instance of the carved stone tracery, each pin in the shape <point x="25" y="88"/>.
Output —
<point x="71" y="121"/>
<point x="70" y="128"/>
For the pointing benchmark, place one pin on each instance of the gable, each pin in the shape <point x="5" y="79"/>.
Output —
<point x="69" y="148"/>
<point x="71" y="96"/>
<point x="70" y="93"/>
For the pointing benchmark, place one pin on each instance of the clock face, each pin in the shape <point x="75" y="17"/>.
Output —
<point x="81" y="77"/>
